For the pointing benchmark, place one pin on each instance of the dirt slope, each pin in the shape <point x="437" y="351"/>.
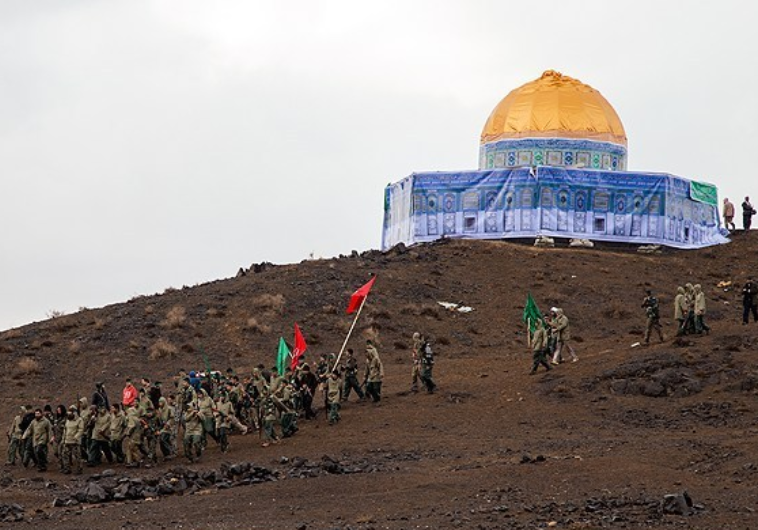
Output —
<point x="590" y="445"/>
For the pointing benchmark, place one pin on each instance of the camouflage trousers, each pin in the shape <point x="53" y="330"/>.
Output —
<point x="71" y="457"/>
<point x="13" y="449"/>
<point x="653" y="324"/>
<point x="131" y="448"/>
<point x="193" y="446"/>
<point x="289" y="424"/>
<point x="334" y="412"/>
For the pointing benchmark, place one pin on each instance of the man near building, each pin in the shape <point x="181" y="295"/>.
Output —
<point x="728" y="214"/>
<point x="747" y="213"/>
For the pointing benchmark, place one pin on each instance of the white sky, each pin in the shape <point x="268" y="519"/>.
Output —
<point x="153" y="144"/>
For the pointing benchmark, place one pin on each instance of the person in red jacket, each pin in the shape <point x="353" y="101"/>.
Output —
<point x="130" y="393"/>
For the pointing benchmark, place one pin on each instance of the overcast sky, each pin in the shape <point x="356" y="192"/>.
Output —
<point x="148" y="144"/>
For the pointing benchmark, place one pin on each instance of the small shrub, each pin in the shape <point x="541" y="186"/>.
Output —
<point x="259" y="328"/>
<point x="162" y="349"/>
<point x="134" y="345"/>
<point x="149" y="309"/>
<point x="54" y="313"/>
<point x="271" y="303"/>
<point x="215" y="312"/>
<point x="175" y="317"/>
<point x="25" y="367"/>
<point x="75" y="347"/>
<point x="98" y="323"/>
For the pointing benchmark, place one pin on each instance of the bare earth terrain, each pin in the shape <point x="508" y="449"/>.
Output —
<point x="595" y="444"/>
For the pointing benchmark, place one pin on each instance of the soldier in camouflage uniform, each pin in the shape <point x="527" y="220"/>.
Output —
<point x="73" y="430"/>
<point x="150" y="429"/>
<point x="540" y="347"/>
<point x="166" y="419"/>
<point x="268" y="414"/>
<point x="351" y="377"/>
<point x="40" y="431"/>
<point x="99" y="440"/>
<point x="223" y="413"/>
<point x="650" y="305"/>
<point x="427" y="364"/>
<point x="287" y="401"/>
<point x="14" y="437"/>
<point x="133" y="438"/>
<point x="193" y="433"/>
<point x="117" y="432"/>
<point x="418" y="342"/>
<point x="333" y="392"/>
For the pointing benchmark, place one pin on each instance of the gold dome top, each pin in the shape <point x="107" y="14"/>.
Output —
<point x="554" y="106"/>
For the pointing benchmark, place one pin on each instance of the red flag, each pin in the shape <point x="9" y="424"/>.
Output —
<point x="359" y="296"/>
<point x="300" y="347"/>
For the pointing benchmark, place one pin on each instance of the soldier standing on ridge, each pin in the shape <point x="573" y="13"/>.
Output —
<point x="650" y="305"/>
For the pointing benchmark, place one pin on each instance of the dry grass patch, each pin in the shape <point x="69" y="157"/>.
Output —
<point x="11" y="334"/>
<point x="26" y="366"/>
<point x="273" y="303"/>
<point x="162" y="349"/>
<point x="175" y="317"/>
<point x="259" y="328"/>
<point x="75" y="347"/>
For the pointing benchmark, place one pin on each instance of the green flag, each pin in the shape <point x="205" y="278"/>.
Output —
<point x="531" y="312"/>
<point x="704" y="192"/>
<point x="281" y="357"/>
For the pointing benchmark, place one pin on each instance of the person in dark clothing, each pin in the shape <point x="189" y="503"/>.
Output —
<point x="749" y="294"/>
<point x="154" y="393"/>
<point x="100" y="397"/>
<point x="747" y="213"/>
<point x="308" y="385"/>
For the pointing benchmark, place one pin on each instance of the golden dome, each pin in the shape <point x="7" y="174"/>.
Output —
<point x="554" y="106"/>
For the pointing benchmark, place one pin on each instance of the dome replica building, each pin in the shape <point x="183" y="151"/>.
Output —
<point x="552" y="161"/>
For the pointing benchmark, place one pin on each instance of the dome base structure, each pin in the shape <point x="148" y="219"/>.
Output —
<point x="636" y="208"/>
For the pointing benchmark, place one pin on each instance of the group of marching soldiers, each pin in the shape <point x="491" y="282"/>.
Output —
<point x="146" y="424"/>
<point x="551" y="338"/>
<point x="689" y="312"/>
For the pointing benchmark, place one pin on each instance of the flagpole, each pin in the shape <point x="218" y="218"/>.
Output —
<point x="355" y="320"/>
<point x="528" y="332"/>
